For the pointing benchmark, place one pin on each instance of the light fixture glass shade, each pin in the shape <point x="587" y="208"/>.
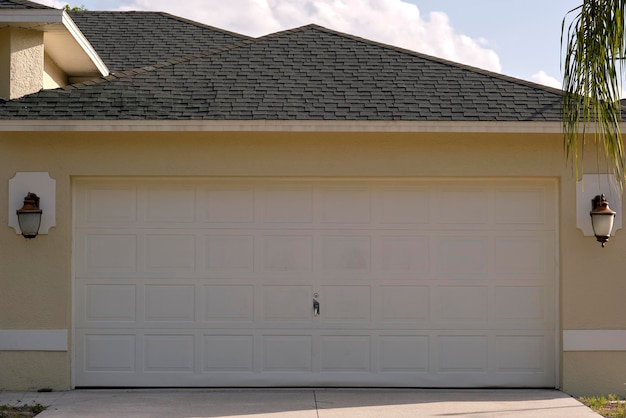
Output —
<point x="602" y="218"/>
<point x="29" y="216"/>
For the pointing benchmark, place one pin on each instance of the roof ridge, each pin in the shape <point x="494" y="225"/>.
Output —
<point x="205" y="26"/>
<point x="250" y="40"/>
<point x="432" y="58"/>
<point x="168" y="15"/>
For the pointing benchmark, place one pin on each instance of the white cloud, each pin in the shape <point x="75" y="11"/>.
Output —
<point x="52" y="3"/>
<point x="542" y="78"/>
<point x="389" y="21"/>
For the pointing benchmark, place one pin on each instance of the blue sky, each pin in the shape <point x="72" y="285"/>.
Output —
<point x="525" y="34"/>
<point x="520" y="39"/>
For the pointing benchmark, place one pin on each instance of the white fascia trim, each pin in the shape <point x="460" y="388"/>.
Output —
<point x="84" y="44"/>
<point x="594" y="340"/>
<point x="42" y="16"/>
<point x="276" y="126"/>
<point x="33" y="340"/>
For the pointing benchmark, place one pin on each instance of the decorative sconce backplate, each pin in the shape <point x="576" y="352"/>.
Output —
<point x="43" y="186"/>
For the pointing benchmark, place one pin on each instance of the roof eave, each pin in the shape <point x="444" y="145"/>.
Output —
<point x="63" y="41"/>
<point x="538" y="127"/>
<point x="84" y="44"/>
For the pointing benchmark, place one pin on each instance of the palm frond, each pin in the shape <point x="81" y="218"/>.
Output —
<point x="593" y="46"/>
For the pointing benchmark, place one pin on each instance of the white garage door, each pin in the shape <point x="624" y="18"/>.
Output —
<point x="420" y="283"/>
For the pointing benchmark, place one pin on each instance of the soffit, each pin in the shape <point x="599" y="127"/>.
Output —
<point x="63" y="41"/>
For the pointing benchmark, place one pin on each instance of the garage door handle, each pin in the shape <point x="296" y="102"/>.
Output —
<point x="316" y="307"/>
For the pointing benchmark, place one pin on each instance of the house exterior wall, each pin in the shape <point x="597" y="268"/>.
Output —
<point x="53" y="76"/>
<point x="38" y="289"/>
<point x="5" y="61"/>
<point x="22" y="50"/>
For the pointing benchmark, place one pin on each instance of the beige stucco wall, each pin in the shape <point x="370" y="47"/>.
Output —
<point x="38" y="286"/>
<point x="22" y="50"/>
<point x="595" y="373"/>
<point x="53" y="75"/>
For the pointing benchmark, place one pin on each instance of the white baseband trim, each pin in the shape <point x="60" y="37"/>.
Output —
<point x="594" y="340"/>
<point x="33" y="340"/>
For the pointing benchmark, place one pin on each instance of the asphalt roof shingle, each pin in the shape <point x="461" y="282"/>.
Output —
<point x="126" y="40"/>
<point x="308" y="73"/>
<point x="21" y="4"/>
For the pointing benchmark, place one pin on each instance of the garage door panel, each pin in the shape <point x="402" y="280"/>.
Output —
<point x="348" y="254"/>
<point x="520" y="303"/>
<point x="109" y="302"/>
<point x="108" y="203"/>
<point x="170" y="204"/>
<point x="288" y="206"/>
<point x="405" y="206"/>
<point x="169" y="353"/>
<point x="170" y="253"/>
<point x="525" y="255"/>
<point x="462" y="257"/>
<point x="108" y="353"/>
<point x="287" y="353"/>
<point x="288" y="253"/>
<point x="419" y="282"/>
<point x="285" y="303"/>
<point x="346" y="353"/>
<point x="345" y="303"/>
<point x="408" y="255"/>
<point x="521" y="353"/>
<point x="462" y="353"/>
<point x="228" y="206"/>
<point x="228" y="303"/>
<point x="405" y="304"/>
<point x="345" y="206"/>
<point x="229" y="253"/>
<point x="462" y="304"/>
<point x="106" y="252"/>
<point x="524" y="206"/>
<point x="170" y="303"/>
<point x="405" y="353"/>
<point x="446" y="206"/>
<point x="228" y="353"/>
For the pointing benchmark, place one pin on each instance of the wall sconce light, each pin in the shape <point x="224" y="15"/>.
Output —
<point x="602" y="217"/>
<point x="29" y="216"/>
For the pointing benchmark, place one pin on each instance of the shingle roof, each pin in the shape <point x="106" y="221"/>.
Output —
<point x="309" y="73"/>
<point x="126" y="40"/>
<point x="21" y="4"/>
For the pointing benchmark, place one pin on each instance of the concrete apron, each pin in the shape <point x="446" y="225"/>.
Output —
<point x="302" y="403"/>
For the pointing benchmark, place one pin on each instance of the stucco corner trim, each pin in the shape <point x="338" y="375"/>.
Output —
<point x="594" y="340"/>
<point x="33" y="340"/>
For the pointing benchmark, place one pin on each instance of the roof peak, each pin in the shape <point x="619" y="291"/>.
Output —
<point x="312" y="26"/>
<point x="433" y="58"/>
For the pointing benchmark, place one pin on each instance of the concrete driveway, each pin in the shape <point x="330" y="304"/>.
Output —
<point x="303" y="403"/>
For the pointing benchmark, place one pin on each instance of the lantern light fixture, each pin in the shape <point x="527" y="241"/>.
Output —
<point x="602" y="217"/>
<point x="29" y="216"/>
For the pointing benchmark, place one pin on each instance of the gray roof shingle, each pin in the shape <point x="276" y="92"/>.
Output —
<point x="126" y="40"/>
<point x="21" y="4"/>
<point x="308" y="73"/>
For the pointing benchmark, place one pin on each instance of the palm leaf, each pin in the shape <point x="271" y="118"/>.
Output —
<point x="593" y="45"/>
